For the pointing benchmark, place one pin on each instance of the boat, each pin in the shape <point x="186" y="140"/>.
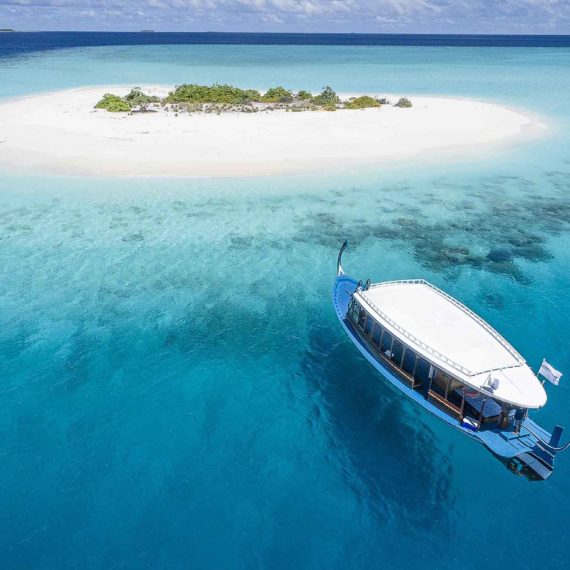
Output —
<point x="448" y="360"/>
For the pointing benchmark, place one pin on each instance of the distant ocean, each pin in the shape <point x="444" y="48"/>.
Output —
<point x="175" y="389"/>
<point x="18" y="42"/>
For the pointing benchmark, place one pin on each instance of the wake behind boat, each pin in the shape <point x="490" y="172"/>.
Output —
<point x="450" y="361"/>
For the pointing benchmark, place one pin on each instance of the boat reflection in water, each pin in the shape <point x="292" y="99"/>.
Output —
<point x="447" y="359"/>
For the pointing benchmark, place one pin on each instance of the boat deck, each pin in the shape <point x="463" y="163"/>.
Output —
<point x="455" y="339"/>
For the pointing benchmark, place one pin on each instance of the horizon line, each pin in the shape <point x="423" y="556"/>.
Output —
<point x="151" y="31"/>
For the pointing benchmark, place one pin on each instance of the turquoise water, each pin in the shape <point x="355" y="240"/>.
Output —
<point x="175" y="390"/>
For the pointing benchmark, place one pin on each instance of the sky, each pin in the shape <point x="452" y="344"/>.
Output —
<point x="370" y="16"/>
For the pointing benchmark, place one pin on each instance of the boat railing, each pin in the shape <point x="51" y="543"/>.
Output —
<point x="502" y="341"/>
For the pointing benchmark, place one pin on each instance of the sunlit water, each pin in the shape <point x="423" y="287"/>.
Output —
<point x="176" y="391"/>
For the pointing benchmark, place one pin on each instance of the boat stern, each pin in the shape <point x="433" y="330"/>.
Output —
<point x="529" y="452"/>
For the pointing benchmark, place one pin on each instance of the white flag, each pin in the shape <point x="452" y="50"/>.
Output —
<point x="550" y="373"/>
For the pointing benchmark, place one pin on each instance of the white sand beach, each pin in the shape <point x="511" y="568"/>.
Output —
<point x="61" y="133"/>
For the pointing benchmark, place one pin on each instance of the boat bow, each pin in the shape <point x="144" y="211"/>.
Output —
<point x="339" y="269"/>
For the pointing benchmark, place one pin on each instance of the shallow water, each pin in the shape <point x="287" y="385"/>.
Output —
<point x="175" y="390"/>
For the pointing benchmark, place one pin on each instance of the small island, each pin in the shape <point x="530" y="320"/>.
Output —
<point x="192" y="98"/>
<point x="221" y="130"/>
<point x="6" y="30"/>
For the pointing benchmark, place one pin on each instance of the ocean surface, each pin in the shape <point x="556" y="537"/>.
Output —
<point x="175" y="389"/>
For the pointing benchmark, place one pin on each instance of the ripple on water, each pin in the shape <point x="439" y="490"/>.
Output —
<point x="184" y="346"/>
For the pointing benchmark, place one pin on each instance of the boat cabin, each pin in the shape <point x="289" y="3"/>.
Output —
<point x="445" y="352"/>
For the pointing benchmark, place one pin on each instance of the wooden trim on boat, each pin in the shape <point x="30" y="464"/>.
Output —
<point x="401" y="374"/>
<point x="444" y="405"/>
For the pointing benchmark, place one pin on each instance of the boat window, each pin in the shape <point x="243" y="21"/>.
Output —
<point x="409" y="361"/>
<point x="422" y="370"/>
<point x="441" y="383"/>
<point x="361" y="317"/>
<point x="386" y="343"/>
<point x="368" y="325"/>
<point x="357" y="308"/>
<point x="376" y="335"/>
<point x="456" y="391"/>
<point x="354" y="309"/>
<point x="397" y="352"/>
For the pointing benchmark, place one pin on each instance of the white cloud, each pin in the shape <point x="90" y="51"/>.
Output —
<point x="476" y="16"/>
<point x="407" y="7"/>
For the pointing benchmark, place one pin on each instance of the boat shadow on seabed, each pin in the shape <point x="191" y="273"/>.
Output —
<point x="366" y="423"/>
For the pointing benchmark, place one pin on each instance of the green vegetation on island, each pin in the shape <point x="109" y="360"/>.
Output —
<point x="114" y="104"/>
<point x="277" y="95"/>
<point x="364" y="102"/>
<point x="221" y="94"/>
<point x="136" y="98"/>
<point x="217" y="98"/>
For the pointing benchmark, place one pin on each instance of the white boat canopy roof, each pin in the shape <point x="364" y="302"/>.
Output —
<point x="453" y="338"/>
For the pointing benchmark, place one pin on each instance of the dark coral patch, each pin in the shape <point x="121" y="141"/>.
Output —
<point x="499" y="255"/>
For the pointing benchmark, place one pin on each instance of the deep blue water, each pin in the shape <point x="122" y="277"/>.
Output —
<point x="21" y="42"/>
<point x="176" y="391"/>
